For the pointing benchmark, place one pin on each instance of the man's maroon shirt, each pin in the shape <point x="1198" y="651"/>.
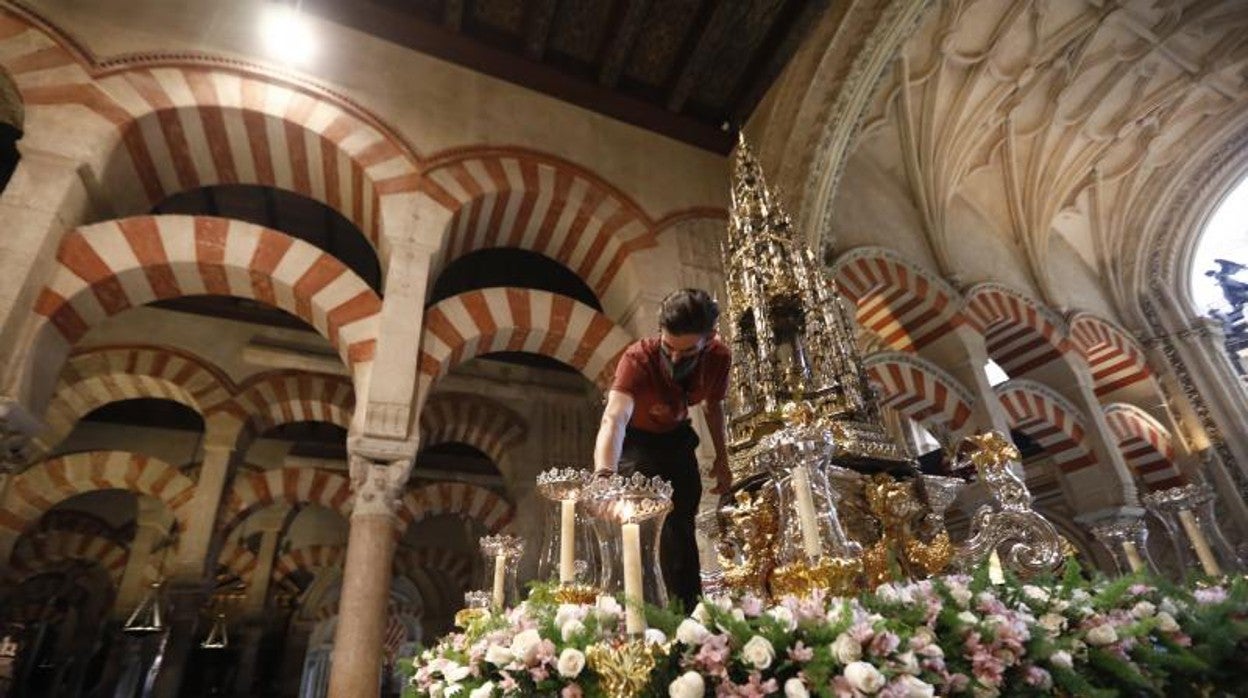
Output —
<point x="660" y="404"/>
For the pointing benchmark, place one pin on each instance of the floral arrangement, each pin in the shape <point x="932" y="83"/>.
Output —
<point x="952" y="635"/>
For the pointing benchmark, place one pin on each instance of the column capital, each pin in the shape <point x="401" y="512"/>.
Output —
<point x="18" y="428"/>
<point x="377" y="485"/>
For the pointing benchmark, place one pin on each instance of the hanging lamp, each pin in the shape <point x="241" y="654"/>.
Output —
<point x="218" y="637"/>
<point x="147" y="618"/>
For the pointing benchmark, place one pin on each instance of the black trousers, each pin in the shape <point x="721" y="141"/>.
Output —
<point x="672" y="456"/>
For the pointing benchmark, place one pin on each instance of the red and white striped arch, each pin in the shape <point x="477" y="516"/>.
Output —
<point x="474" y="420"/>
<point x="456" y="499"/>
<point x="1114" y="358"/>
<point x="32" y="553"/>
<point x="519" y="319"/>
<point x="109" y="267"/>
<point x="1021" y="334"/>
<point x="283" y="397"/>
<point x="515" y="198"/>
<point x="905" y="306"/>
<point x="1146" y="446"/>
<point x="454" y="566"/>
<point x="308" y="558"/>
<point x="1049" y="420"/>
<point x="921" y="391"/>
<point x="97" y="376"/>
<point x="43" y="486"/>
<point x="194" y="126"/>
<point x="289" y="486"/>
<point x="236" y="558"/>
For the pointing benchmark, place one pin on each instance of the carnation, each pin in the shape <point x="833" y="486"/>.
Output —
<point x="914" y="687"/>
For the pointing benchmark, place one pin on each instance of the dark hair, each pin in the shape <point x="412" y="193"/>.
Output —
<point x="688" y="311"/>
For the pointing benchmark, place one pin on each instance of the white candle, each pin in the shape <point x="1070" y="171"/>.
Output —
<point x="1203" y="552"/>
<point x="567" y="541"/>
<point x="806" y="513"/>
<point x="500" y="574"/>
<point x="1133" y="556"/>
<point x="995" y="574"/>
<point x="634" y="597"/>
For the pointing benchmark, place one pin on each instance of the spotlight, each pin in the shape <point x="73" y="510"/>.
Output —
<point x="287" y="34"/>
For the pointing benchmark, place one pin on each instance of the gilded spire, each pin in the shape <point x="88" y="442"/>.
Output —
<point x="793" y="340"/>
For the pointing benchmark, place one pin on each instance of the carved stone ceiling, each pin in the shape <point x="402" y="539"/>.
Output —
<point x="679" y="67"/>
<point x="1059" y="117"/>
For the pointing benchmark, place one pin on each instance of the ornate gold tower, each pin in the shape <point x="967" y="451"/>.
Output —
<point x="795" y="358"/>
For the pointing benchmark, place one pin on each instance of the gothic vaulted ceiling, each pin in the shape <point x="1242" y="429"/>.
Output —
<point x="679" y="67"/>
<point x="1067" y="118"/>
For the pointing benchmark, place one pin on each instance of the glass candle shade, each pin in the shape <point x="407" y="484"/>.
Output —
<point x="629" y="513"/>
<point x="501" y="555"/>
<point x="1126" y="539"/>
<point x="570" y="548"/>
<point x="1188" y="514"/>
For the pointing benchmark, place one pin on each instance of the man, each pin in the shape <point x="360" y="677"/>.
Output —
<point x="645" y="427"/>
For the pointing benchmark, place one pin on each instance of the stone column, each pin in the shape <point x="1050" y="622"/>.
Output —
<point x="270" y="522"/>
<point x="45" y="198"/>
<point x="195" y="541"/>
<point x="377" y="484"/>
<point x="1125" y="535"/>
<point x="149" y="532"/>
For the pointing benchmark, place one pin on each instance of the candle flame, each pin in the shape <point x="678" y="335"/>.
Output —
<point x="625" y="512"/>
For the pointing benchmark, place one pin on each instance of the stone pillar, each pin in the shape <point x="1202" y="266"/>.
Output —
<point x="377" y="484"/>
<point x="149" y="532"/>
<point x="195" y="541"/>
<point x="45" y="198"/>
<point x="185" y="606"/>
<point x="270" y="522"/>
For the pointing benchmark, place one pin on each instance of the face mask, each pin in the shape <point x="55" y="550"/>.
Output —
<point x="680" y="369"/>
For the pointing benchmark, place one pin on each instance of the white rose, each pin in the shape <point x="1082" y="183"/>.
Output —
<point x="985" y="692"/>
<point x="654" y="636"/>
<point x="794" y="688"/>
<point x="758" y="652"/>
<point x="923" y="636"/>
<point x="961" y="595"/>
<point x="607" y="607"/>
<point x="784" y="617"/>
<point x="864" y="677"/>
<point x="1035" y="594"/>
<point x="1052" y="622"/>
<point x="485" y="690"/>
<point x="914" y="687"/>
<point x="968" y="617"/>
<point x="691" y="632"/>
<point x="454" y="672"/>
<point x="1061" y="658"/>
<point x="846" y="649"/>
<point x="701" y="614"/>
<point x="687" y="685"/>
<point x="498" y="655"/>
<point x="1143" y="609"/>
<point x="570" y="629"/>
<point x="907" y="663"/>
<point x="571" y="662"/>
<point x="1166" y="623"/>
<point x="1102" y="635"/>
<point x="567" y="612"/>
<point x="524" y="645"/>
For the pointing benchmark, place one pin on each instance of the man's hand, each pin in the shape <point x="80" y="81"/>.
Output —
<point x="722" y="475"/>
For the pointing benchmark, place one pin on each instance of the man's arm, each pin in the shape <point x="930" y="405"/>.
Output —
<point x="719" y="439"/>
<point x="610" y="441"/>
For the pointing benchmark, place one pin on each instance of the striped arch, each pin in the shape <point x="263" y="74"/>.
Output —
<point x="1113" y="356"/>
<point x="921" y="391"/>
<point x="454" y="566"/>
<point x="1021" y="334"/>
<point x="43" y="486"/>
<point x="190" y="126"/>
<point x="515" y="198"/>
<point x="1049" y="420"/>
<point x="33" y="552"/>
<point x="282" y="397"/>
<point x="290" y="486"/>
<point x="458" y="499"/>
<point x="97" y="376"/>
<point x="474" y="420"/>
<point x="308" y="558"/>
<point x="905" y="306"/>
<point x="1146" y="446"/>
<point x="237" y="559"/>
<point x="109" y="267"/>
<point x="519" y="319"/>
